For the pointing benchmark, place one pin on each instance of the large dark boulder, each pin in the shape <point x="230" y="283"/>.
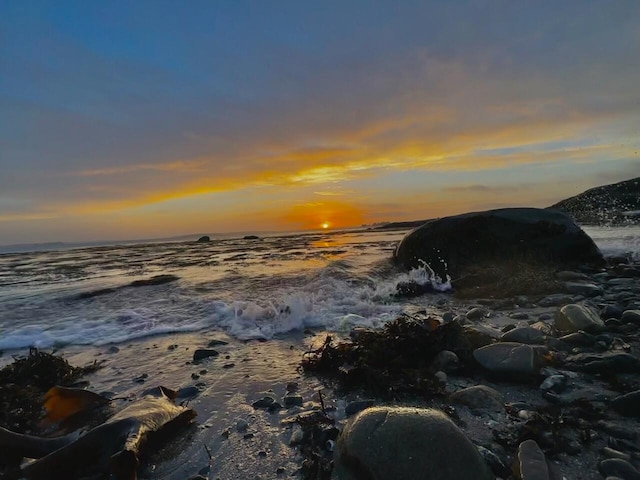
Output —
<point x="451" y="245"/>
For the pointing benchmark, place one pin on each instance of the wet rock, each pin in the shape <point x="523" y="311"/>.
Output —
<point x="554" y="383"/>
<point x="613" y="453"/>
<point x="203" y="353"/>
<point x="519" y="315"/>
<point x="611" y="311"/>
<point x="264" y="402"/>
<point x="607" y="362"/>
<point x="479" y="397"/>
<point x="477" y="313"/>
<point x="216" y="343"/>
<point x="292" y="401"/>
<point x="586" y="289"/>
<point x="619" y="468"/>
<point x="555" y="300"/>
<point x="526" y="335"/>
<point x="242" y="425"/>
<point x="631" y="316"/>
<point x="480" y="335"/>
<point x="574" y="317"/>
<point x="580" y="339"/>
<point x="204" y="239"/>
<point x="543" y="327"/>
<point x="509" y="357"/>
<point x="532" y="463"/>
<point x="187" y="392"/>
<point x="628" y="404"/>
<point x="406" y="443"/>
<point x="446" y="361"/>
<point x="569" y="276"/>
<point x="113" y="349"/>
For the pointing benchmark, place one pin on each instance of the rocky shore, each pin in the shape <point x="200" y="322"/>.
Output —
<point x="533" y="384"/>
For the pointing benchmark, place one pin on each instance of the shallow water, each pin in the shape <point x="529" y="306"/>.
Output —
<point x="246" y="288"/>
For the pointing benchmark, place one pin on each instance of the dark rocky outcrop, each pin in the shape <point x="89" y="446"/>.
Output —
<point x="473" y="241"/>
<point x="251" y="237"/>
<point x="615" y="203"/>
<point x="204" y="239"/>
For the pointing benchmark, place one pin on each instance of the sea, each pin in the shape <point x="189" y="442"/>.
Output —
<point x="247" y="288"/>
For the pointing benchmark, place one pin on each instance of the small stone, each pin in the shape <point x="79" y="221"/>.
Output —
<point x="264" y="402"/>
<point x="612" y="453"/>
<point x="216" y="343"/>
<point x="510" y="357"/>
<point x="479" y="397"/>
<point x="227" y="366"/>
<point x="446" y="361"/>
<point x="555" y="300"/>
<point x="532" y="463"/>
<point x="242" y="425"/>
<point x="262" y="453"/>
<point x="203" y="353"/>
<point x="555" y="383"/>
<point x="297" y="435"/>
<point x="631" y="316"/>
<point x="279" y="471"/>
<point x="611" y="311"/>
<point x="528" y="335"/>
<point x="574" y="317"/>
<point x="586" y="289"/>
<point x="477" y="313"/>
<point x="292" y="401"/>
<point x="292" y="387"/>
<point x="618" y="468"/>
<point x="248" y="436"/>
<point x="113" y="349"/>
<point x="441" y="376"/>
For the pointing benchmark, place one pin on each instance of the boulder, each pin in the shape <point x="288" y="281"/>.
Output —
<point x="631" y="316"/>
<point x="204" y="239"/>
<point x="452" y="244"/>
<point x="532" y="463"/>
<point x="389" y="443"/>
<point x="574" y="317"/>
<point x="528" y="335"/>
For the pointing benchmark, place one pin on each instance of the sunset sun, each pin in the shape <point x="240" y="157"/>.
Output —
<point x="325" y="225"/>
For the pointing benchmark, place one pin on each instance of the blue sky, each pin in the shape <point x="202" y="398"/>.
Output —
<point x="143" y="119"/>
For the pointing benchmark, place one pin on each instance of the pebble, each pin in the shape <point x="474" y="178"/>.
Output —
<point x="586" y="289"/>
<point x="574" y="317"/>
<point x="526" y="335"/>
<point x="631" y="316"/>
<point x="242" y="425"/>
<point x="509" y="357"/>
<point x="555" y="383"/>
<point x="477" y="313"/>
<point x="292" y="401"/>
<point x="479" y="397"/>
<point x="532" y="463"/>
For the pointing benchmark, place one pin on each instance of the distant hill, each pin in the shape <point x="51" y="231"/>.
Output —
<point x="618" y="203"/>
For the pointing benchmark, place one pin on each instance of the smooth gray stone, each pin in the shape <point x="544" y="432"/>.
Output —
<point x="627" y="404"/>
<point x="477" y="313"/>
<point x="532" y="462"/>
<point x="631" y="316"/>
<point x="618" y="468"/>
<point x="526" y="335"/>
<point x="586" y="289"/>
<point x="508" y="357"/>
<point x="574" y="317"/>
<point x="479" y="397"/>
<point x="387" y="443"/>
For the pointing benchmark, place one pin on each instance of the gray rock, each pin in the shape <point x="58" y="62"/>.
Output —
<point x="242" y="425"/>
<point x="509" y="357"/>
<point x="479" y="397"/>
<point x="526" y="335"/>
<point x="357" y="406"/>
<point x="611" y="311"/>
<point x="446" y="361"/>
<point x="618" y="468"/>
<point x="519" y="315"/>
<point x="569" y="276"/>
<point x="555" y="300"/>
<point x="574" y="317"/>
<point x="555" y="383"/>
<point x="292" y="401"/>
<point x="387" y="443"/>
<point x="607" y="362"/>
<point x="627" y="404"/>
<point x="204" y="239"/>
<point x="532" y="463"/>
<point x="586" y="289"/>
<point x="477" y="313"/>
<point x="580" y="339"/>
<point x="631" y="316"/>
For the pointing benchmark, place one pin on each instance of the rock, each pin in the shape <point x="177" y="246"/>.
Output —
<point x="509" y="357"/>
<point x="113" y="349"/>
<point x="586" y="289"/>
<point x="526" y="335"/>
<point x="555" y="300"/>
<point x="607" y="362"/>
<point x="612" y="453"/>
<point x="618" y="468"/>
<point x="242" y="425"/>
<point x="555" y="383"/>
<point x="385" y="443"/>
<point x="580" y="339"/>
<point x="264" y="402"/>
<point x="446" y="361"/>
<point x="203" y="353"/>
<point x="452" y="244"/>
<point x="574" y="317"/>
<point x="519" y="315"/>
<point x="251" y="237"/>
<point x="479" y="397"/>
<point x="412" y="289"/>
<point x="480" y="335"/>
<point x="532" y="463"/>
<point x="292" y="401"/>
<point x="204" y="239"/>
<point x="611" y="311"/>
<point x="627" y="404"/>
<point x="631" y="316"/>
<point x="216" y="343"/>
<point x="477" y="313"/>
<point x="569" y="276"/>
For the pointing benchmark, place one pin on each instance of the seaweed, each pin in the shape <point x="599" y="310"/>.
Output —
<point x="24" y="382"/>
<point x="394" y="362"/>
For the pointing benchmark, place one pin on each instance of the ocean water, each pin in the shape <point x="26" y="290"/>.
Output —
<point x="250" y="289"/>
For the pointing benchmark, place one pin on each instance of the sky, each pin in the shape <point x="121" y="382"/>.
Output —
<point x="146" y="119"/>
